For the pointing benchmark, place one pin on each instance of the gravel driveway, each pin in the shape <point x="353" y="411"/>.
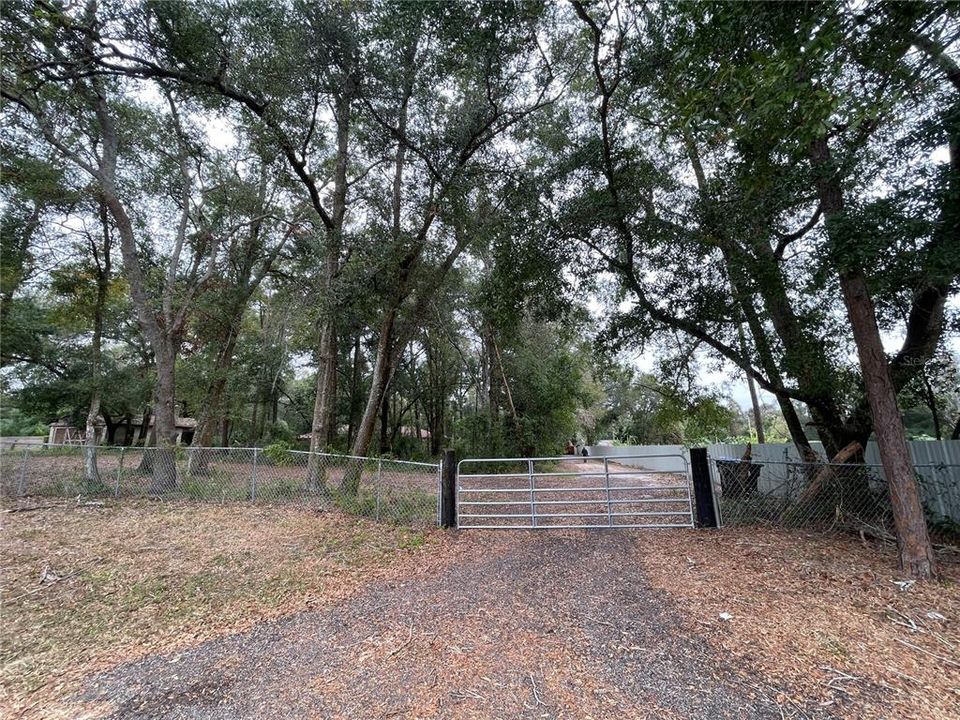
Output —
<point x="512" y="624"/>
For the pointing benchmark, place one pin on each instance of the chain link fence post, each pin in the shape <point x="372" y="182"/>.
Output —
<point x="23" y="474"/>
<point x="439" y="507"/>
<point x="379" y="483"/>
<point x="253" y="476"/>
<point x="116" y="485"/>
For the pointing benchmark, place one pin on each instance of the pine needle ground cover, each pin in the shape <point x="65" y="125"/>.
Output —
<point x="276" y="609"/>
<point x="826" y="615"/>
<point x="86" y="587"/>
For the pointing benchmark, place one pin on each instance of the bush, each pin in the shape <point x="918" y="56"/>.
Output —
<point x="279" y="433"/>
<point x="279" y="453"/>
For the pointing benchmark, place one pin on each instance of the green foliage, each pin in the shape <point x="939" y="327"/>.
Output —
<point x="671" y="217"/>
<point x="542" y="382"/>
<point x="279" y="453"/>
<point x="15" y="422"/>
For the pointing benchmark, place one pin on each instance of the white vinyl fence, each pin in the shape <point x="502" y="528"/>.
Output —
<point x="937" y="463"/>
<point x="655" y="458"/>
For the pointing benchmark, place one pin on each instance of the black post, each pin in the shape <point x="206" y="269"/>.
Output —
<point x="702" y="488"/>
<point x="448" y="497"/>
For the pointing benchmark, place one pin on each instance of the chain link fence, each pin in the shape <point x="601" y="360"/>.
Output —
<point x="383" y="489"/>
<point x="825" y="496"/>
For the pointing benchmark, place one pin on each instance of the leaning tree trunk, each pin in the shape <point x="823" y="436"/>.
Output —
<point x="768" y="364"/>
<point x="931" y="401"/>
<point x="915" y="552"/>
<point x="378" y="387"/>
<point x="143" y="433"/>
<point x="385" y="361"/>
<point x="752" y="387"/>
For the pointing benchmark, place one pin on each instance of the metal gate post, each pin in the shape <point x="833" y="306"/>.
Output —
<point x="702" y="488"/>
<point x="448" y="496"/>
<point x="533" y="501"/>
<point x="253" y="476"/>
<point x="606" y="479"/>
<point x="116" y="485"/>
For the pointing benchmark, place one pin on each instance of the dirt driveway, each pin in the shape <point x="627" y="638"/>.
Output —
<point x="510" y="624"/>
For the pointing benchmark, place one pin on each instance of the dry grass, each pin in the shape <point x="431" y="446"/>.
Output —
<point x="820" y="617"/>
<point x="823" y="615"/>
<point x="85" y="587"/>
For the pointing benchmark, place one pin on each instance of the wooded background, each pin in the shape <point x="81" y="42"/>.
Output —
<point x="397" y="226"/>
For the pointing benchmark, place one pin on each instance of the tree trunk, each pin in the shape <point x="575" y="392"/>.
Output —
<point x="752" y="387"/>
<point x="165" y="426"/>
<point x="493" y="389"/>
<point x="384" y="361"/>
<point x="111" y="427"/>
<point x="769" y="366"/>
<point x="252" y="433"/>
<point x="143" y="434"/>
<point x="764" y="264"/>
<point x="435" y="405"/>
<point x="212" y="408"/>
<point x="164" y="346"/>
<point x="101" y="257"/>
<point x="510" y="406"/>
<point x="931" y="400"/>
<point x="91" y="473"/>
<point x="354" y="390"/>
<point x="385" y="435"/>
<point x="915" y="552"/>
<point x="916" y="555"/>
<point x="324" y="409"/>
<point x="323" y="405"/>
<point x="378" y="386"/>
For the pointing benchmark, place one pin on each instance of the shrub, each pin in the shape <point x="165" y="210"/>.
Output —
<point x="279" y="453"/>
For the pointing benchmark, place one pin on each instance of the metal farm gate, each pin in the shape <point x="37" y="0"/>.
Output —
<point x="648" y="491"/>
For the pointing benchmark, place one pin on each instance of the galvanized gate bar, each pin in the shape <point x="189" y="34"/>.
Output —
<point x="550" y="474"/>
<point x="606" y="477"/>
<point x="587" y="489"/>
<point x="533" y="495"/>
